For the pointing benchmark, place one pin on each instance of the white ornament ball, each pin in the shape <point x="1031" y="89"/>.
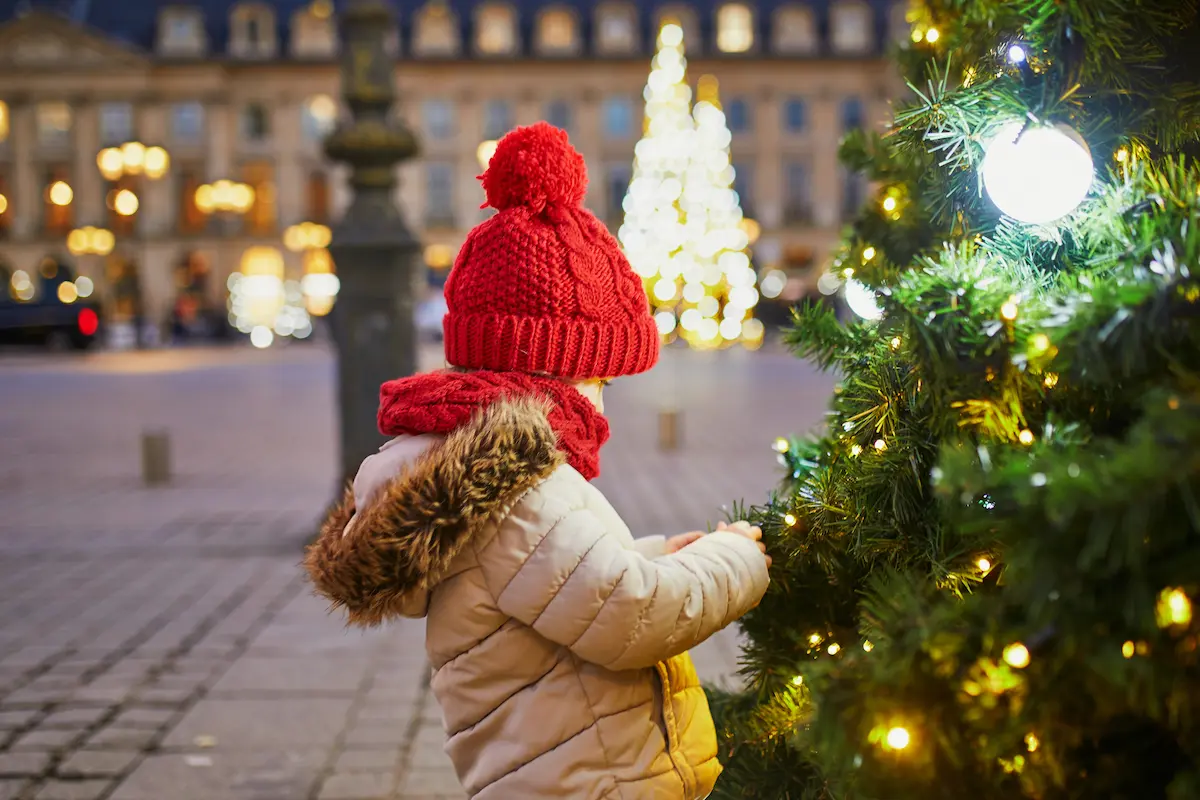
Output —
<point x="862" y="300"/>
<point x="1037" y="174"/>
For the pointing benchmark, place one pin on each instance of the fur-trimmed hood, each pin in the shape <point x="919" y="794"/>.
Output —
<point x="382" y="559"/>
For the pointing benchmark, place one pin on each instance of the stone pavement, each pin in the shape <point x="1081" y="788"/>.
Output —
<point x="161" y="644"/>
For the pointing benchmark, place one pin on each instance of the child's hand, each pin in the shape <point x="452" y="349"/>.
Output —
<point x="677" y="543"/>
<point x="751" y="532"/>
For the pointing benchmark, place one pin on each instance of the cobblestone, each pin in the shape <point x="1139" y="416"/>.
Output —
<point x="164" y="641"/>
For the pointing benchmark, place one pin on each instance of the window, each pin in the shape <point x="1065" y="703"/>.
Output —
<point x="743" y="184"/>
<point x="617" y="178"/>
<point x="556" y="33"/>
<point x="794" y="31"/>
<point x="795" y="114"/>
<point x="436" y="31"/>
<point x="318" y="196"/>
<point x="181" y="32"/>
<point x="685" y="18"/>
<point x="616" y="29"/>
<point x="497" y="118"/>
<point x="53" y="124"/>
<point x="854" y="193"/>
<point x="558" y="114"/>
<point x="57" y="202"/>
<point x="256" y="125"/>
<point x="737" y="114"/>
<point x="252" y="31"/>
<point x="850" y="27"/>
<point x="439" y="194"/>
<point x="191" y="219"/>
<point x="187" y="123"/>
<point x="318" y="117"/>
<point x="496" y="30"/>
<point x="439" y="119"/>
<point x="260" y="220"/>
<point x="852" y="113"/>
<point x="735" y="28"/>
<point x="313" y="34"/>
<point x="4" y="122"/>
<point x="116" y="123"/>
<point x="618" y="117"/>
<point x="797" y="203"/>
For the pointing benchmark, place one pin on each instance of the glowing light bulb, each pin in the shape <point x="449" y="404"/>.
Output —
<point x="889" y="204"/>
<point x="1174" y="608"/>
<point x="1016" y="54"/>
<point x="880" y="445"/>
<point x="1025" y="437"/>
<point x="1039" y="174"/>
<point x="790" y="519"/>
<point x="862" y="300"/>
<point x="781" y="445"/>
<point x="261" y="336"/>
<point x="867" y="646"/>
<point x="1031" y="742"/>
<point x="1051" y="380"/>
<point x="1009" y="310"/>
<point x="61" y="194"/>
<point x="814" y="639"/>
<point x="984" y="565"/>
<point x="125" y="203"/>
<point x="868" y="253"/>
<point x="931" y="35"/>
<point x="856" y="450"/>
<point x="834" y="649"/>
<point x="898" y="738"/>
<point x="895" y="342"/>
<point x="1127" y="649"/>
<point x="798" y="680"/>
<point x="1017" y="655"/>
<point x="1123" y="155"/>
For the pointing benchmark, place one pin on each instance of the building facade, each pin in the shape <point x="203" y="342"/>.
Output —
<point x="247" y="90"/>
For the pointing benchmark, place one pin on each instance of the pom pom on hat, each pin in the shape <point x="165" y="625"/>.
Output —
<point x="535" y="166"/>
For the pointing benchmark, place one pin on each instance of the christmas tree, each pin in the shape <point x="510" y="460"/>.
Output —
<point x="985" y="566"/>
<point x="683" y="229"/>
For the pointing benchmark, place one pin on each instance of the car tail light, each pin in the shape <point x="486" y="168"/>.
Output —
<point x="88" y="322"/>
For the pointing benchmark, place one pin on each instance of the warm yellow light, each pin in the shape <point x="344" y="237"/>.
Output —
<point x="67" y="293"/>
<point x="985" y="566"/>
<point x="133" y="155"/>
<point x="102" y="241"/>
<point x="439" y="256"/>
<point x="814" y="639"/>
<point x="917" y="34"/>
<point x="204" y="199"/>
<point x="262" y="261"/>
<point x="318" y="306"/>
<point x="856" y="450"/>
<point x="880" y="445"/>
<point x="1174" y="608"/>
<point x="125" y="203"/>
<point x="664" y="290"/>
<point x="3" y="204"/>
<point x="1123" y="155"/>
<point x="834" y="649"/>
<point x="1040" y="342"/>
<point x="1031" y="742"/>
<point x="798" y="680"/>
<point x="111" y="163"/>
<point x="157" y="162"/>
<point x="848" y="272"/>
<point x="241" y="197"/>
<point x="895" y="342"/>
<point x="868" y="646"/>
<point x="321" y="9"/>
<point x="781" y="445"/>
<point x="1051" y="380"/>
<point x="1025" y="437"/>
<point x="293" y="238"/>
<point x="931" y="35"/>
<point x="868" y="253"/>
<point x="790" y="519"/>
<point x="77" y="241"/>
<point x="320" y="236"/>
<point x="1009" y="310"/>
<point x="484" y="153"/>
<point x="671" y="35"/>
<point x="1127" y="649"/>
<point x="889" y="204"/>
<point x="1017" y="655"/>
<point x="61" y="194"/>
<point x="898" y="738"/>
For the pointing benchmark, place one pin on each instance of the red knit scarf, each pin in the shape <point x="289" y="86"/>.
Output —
<point x="439" y="402"/>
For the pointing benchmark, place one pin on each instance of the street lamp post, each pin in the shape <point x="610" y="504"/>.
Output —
<point x="375" y="252"/>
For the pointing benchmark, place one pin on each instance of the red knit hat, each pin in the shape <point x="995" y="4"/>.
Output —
<point x="542" y="286"/>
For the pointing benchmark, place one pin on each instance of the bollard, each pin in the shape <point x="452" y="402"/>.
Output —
<point x="669" y="434"/>
<point x="156" y="458"/>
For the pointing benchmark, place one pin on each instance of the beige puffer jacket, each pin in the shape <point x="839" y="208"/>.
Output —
<point x="558" y="642"/>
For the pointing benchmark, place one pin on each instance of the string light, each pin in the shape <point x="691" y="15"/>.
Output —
<point x="931" y="35"/>
<point x="798" y="680"/>
<point x="856" y="450"/>
<point x="880" y="445"/>
<point x="1174" y="608"/>
<point x="1051" y="380"/>
<point x="868" y="253"/>
<point x="1037" y="174"/>
<point x="814" y="639"/>
<point x="889" y="204"/>
<point x="834" y="649"/>
<point x="790" y="519"/>
<point x="895" y="342"/>
<point x="1017" y="655"/>
<point x="898" y="738"/>
<point x="1031" y="742"/>
<point x="985" y="566"/>
<point x="1009" y="310"/>
<point x="781" y="445"/>
<point x="1123" y="154"/>
<point x="868" y="646"/>
<point x="1016" y="54"/>
<point x="1127" y="649"/>
<point x="1025" y="437"/>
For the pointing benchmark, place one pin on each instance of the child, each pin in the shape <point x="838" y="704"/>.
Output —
<point x="558" y="642"/>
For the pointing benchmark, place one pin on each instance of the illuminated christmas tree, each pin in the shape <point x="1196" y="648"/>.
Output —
<point x="985" y="565"/>
<point x="683" y="229"/>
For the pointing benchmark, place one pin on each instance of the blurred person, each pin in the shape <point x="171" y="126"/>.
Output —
<point x="558" y="641"/>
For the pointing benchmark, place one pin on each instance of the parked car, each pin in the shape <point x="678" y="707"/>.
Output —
<point x="41" y="310"/>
